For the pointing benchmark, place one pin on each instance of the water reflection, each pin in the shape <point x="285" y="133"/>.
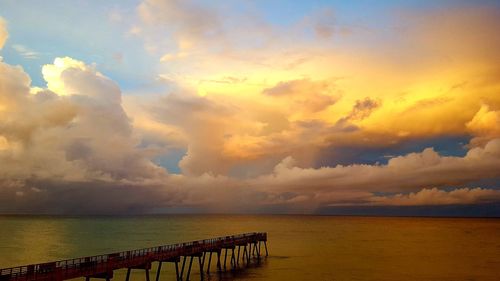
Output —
<point x="32" y="240"/>
<point x="300" y="247"/>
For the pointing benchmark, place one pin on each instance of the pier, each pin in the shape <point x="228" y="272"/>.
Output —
<point x="181" y="255"/>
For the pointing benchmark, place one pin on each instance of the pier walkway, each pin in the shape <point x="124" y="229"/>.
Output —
<point x="102" y="266"/>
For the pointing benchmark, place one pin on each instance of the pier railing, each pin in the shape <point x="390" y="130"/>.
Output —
<point x="99" y="264"/>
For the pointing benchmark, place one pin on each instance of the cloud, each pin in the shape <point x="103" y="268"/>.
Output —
<point x="209" y="124"/>
<point x="60" y="197"/>
<point x="231" y="136"/>
<point x="325" y="25"/>
<point x="420" y="90"/>
<point x="25" y="52"/>
<point x="198" y="29"/>
<point x="474" y="24"/>
<point x="404" y="173"/>
<point x="485" y="126"/>
<point x="190" y="23"/>
<point x="361" y="110"/>
<point x="75" y="130"/>
<point x="307" y="95"/>
<point x="434" y="196"/>
<point x="292" y="189"/>
<point x="255" y="107"/>
<point x="4" y="34"/>
<point x="71" y="148"/>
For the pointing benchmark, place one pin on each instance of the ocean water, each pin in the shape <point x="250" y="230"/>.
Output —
<point x="300" y="247"/>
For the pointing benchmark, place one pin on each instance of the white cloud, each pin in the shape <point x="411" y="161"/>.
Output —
<point x="81" y="133"/>
<point x="434" y="196"/>
<point x="25" y="52"/>
<point x="404" y="173"/>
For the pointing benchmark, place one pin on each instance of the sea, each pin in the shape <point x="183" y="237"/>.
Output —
<point x="300" y="247"/>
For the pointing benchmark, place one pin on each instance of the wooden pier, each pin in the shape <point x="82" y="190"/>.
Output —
<point x="181" y="255"/>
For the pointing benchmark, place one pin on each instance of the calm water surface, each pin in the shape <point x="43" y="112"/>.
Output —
<point x="300" y="247"/>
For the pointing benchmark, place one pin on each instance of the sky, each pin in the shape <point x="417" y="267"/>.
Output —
<point x="310" y="107"/>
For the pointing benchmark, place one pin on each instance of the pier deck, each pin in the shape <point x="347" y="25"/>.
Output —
<point x="102" y="266"/>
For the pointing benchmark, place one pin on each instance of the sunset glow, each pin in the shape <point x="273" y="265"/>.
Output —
<point x="248" y="106"/>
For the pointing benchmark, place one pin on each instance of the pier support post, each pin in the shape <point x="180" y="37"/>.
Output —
<point x="218" y="261"/>
<point x="247" y="251"/>
<point x="225" y="258"/>
<point x="189" y="268"/>
<point x="128" y="274"/>
<point x="203" y="260"/>
<point x="238" y="256"/>
<point x="182" y="268"/>
<point x="158" y="271"/>
<point x="201" y="266"/>
<point x="209" y="261"/>
<point x="265" y="246"/>
<point x="177" y="271"/>
<point x="233" y="259"/>
<point x="244" y="255"/>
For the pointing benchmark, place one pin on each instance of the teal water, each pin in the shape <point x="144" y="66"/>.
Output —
<point x="300" y="247"/>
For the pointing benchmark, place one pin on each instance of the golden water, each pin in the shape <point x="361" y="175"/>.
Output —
<point x="300" y="247"/>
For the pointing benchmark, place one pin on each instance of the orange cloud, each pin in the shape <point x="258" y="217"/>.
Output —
<point x="429" y="85"/>
<point x="307" y="96"/>
<point x="256" y="119"/>
<point x="485" y="126"/>
<point x="3" y="32"/>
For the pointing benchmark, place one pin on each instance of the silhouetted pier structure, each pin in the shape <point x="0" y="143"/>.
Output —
<point x="102" y="266"/>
